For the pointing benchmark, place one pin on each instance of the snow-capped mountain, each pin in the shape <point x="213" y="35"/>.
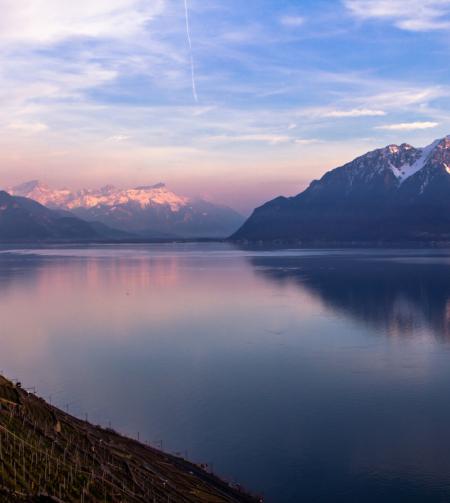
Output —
<point x="150" y="211"/>
<point x="23" y="219"/>
<point x="397" y="193"/>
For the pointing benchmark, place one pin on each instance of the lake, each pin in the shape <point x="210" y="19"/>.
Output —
<point x="303" y="375"/>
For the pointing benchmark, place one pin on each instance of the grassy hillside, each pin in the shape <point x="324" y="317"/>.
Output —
<point x="47" y="455"/>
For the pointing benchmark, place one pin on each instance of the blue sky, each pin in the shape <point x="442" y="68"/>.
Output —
<point x="101" y="91"/>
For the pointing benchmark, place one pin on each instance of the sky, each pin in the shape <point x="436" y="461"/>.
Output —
<point x="236" y="101"/>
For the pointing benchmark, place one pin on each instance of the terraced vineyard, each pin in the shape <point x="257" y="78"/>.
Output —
<point x="47" y="455"/>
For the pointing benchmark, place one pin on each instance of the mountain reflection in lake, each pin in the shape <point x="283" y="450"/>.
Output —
<point x="305" y="375"/>
<point x="395" y="295"/>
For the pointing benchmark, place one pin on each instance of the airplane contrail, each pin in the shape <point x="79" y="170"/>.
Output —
<point x="188" y="33"/>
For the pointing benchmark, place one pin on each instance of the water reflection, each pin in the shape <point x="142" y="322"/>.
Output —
<point x="395" y="295"/>
<point x="263" y="363"/>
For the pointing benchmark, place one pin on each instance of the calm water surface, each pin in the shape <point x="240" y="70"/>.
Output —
<point x="304" y="375"/>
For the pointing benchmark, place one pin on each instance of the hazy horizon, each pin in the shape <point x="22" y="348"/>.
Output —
<point x="245" y="207"/>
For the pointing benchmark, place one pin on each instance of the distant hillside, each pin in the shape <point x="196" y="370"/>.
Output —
<point x="23" y="219"/>
<point x="150" y="211"/>
<point x="47" y="455"/>
<point x="395" y="194"/>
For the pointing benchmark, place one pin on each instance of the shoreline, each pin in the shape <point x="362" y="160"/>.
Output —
<point x="243" y="244"/>
<point x="47" y="454"/>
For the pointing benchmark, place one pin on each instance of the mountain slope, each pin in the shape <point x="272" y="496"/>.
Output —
<point x="398" y="193"/>
<point x="150" y="211"/>
<point x="24" y="219"/>
<point x="50" y="456"/>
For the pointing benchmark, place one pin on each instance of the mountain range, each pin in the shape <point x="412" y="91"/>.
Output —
<point x="145" y="212"/>
<point x="394" y="194"/>
<point x="22" y="219"/>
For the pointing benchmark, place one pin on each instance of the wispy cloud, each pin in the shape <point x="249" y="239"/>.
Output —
<point x="119" y="137"/>
<point x="28" y="127"/>
<point x="307" y="141"/>
<point x="270" y="139"/>
<point x="397" y="96"/>
<point x="355" y="112"/>
<point x="50" y="21"/>
<point x="408" y="126"/>
<point x="292" y="21"/>
<point x="412" y="15"/>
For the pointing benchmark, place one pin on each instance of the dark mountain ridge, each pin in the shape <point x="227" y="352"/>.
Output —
<point x="22" y="219"/>
<point x="395" y="194"/>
